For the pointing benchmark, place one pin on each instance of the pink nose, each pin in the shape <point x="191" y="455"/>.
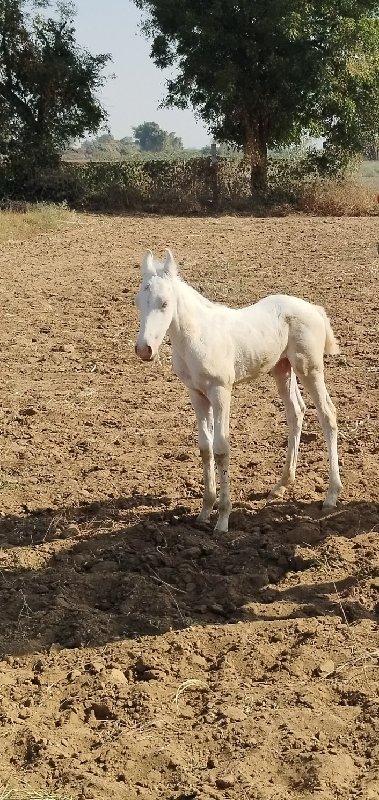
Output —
<point x="144" y="353"/>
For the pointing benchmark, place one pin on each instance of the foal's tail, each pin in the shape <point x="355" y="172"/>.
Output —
<point x="331" y="344"/>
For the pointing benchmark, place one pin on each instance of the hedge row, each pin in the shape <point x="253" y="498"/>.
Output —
<point x="153" y="186"/>
<point x="198" y="185"/>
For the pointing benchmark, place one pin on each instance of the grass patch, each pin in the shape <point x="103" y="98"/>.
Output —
<point x="24" y="220"/>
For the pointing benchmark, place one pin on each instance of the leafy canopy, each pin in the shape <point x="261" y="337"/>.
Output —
<point x="260" y="72"/>
<point x="48" y="84"/>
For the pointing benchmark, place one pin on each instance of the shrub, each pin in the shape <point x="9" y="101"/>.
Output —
<point x="333" y="198"/>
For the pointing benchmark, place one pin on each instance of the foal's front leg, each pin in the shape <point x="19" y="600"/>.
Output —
<point x="204" y="416"/>
<point x="220" y="399"/>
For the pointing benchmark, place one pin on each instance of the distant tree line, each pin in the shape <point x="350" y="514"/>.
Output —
<point x="149" y="138"/>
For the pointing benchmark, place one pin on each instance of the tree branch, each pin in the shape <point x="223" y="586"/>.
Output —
<point x="20" y="105"/>
<point x="7" y="88"/>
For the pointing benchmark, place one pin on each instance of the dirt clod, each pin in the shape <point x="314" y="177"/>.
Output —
<point x="326" y="667"/>
<point x="225" y="781"/>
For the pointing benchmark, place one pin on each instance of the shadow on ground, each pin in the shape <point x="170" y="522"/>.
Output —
<point x="132" y="566"/>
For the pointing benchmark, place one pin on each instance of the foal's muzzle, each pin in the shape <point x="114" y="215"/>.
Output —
<point x="144" y="352"/>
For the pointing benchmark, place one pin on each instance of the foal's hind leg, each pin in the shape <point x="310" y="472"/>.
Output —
<point x="294" y="407"/>
<point x="220" y="399"/>
<point x="204" y="416"/>
<point x="315" y="385"/>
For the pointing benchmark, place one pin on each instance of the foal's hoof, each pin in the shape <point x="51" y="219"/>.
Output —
<point x="329" y="505"/>
<point x="203" y="517"/>
<point x="331" y="500"/>
<point x="278" y="491"/>
<point x="222" y="526"/>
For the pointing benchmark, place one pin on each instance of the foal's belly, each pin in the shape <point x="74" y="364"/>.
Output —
<point x="251" y="364"/>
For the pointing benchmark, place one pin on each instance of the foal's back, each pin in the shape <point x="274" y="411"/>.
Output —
<point x="276" y="327"/>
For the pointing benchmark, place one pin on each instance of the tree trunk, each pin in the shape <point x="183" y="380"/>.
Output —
<point x="256" y="156"/>
<point x="373" y="152"/>
<point x="258" y="177"/>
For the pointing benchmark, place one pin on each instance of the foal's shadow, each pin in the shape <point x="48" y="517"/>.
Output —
<point x="257" y="496"/>
<point x="84" y="576"/>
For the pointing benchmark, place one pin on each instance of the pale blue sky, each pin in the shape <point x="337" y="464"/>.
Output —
<point x="111" y="26"/>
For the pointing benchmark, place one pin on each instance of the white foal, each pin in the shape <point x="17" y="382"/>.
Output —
<point x="214" y="346"/>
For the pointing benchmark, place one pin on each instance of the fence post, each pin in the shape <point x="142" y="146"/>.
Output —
<point x="214" y="168"/>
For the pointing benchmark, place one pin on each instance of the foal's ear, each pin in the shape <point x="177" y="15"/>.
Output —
<point x="169" y="268"/>
<point x="147" y="266"/>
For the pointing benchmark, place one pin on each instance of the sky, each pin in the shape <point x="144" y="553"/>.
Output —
<point x="111" y="26"/>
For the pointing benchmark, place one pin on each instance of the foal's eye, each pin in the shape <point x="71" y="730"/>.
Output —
<point x="163" y="306"/>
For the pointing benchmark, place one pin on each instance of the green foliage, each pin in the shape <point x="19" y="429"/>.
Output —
<point x="260" y="72"/>
<point x="151" y="138"/>
<point x="150" y="185"/>
<point x="198" y="185"/>
<point x="48" y="85"/>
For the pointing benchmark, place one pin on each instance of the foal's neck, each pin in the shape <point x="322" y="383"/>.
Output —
<point x="198" y="303"/>
<point x="190" y="307"/>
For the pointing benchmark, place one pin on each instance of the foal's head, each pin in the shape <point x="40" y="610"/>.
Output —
<point x="155" y="301"/>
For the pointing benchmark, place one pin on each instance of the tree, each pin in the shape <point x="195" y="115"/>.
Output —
<point x="151" y="138"/>
<point x="260" y="72"/>
<point x="48" y="84"/>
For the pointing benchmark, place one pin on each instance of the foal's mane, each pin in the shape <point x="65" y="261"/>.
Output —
<point x="200" y="297"/>
<point x="188" y="289"/>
